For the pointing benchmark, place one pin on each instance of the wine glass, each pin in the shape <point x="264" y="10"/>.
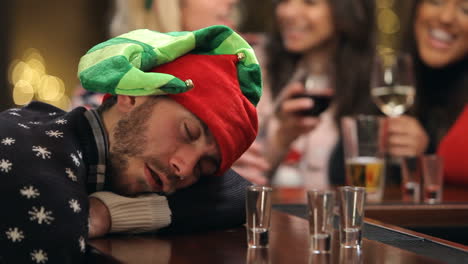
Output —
<point x="392" y="88"/>
<point x="392" y="83"/>
<point x="317" y="80"/>
<point x="317" y="87"/>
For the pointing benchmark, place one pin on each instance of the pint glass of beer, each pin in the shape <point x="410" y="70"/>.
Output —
<point x="364" y="153"/>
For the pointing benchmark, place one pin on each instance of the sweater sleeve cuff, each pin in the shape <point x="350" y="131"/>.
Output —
<point x="136" y="215"/>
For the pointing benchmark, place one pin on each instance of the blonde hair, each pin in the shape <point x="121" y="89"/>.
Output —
<point x="164" y="16"/>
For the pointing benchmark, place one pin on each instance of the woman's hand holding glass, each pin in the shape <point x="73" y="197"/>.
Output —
<point x="291" y="124"/>
<point x="392" y="89"/>
<point x="277" y="134"/>
<point x="392" y="83"/>
<point x="406" y="137"/>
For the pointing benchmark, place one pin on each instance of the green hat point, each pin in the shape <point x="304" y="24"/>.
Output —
<point x="119" y="65"/>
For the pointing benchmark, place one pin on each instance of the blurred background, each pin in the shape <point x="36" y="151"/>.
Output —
<point x="42" y="42"/>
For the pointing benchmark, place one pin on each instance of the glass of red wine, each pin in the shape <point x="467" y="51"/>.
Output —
<point x="319" y="89"/>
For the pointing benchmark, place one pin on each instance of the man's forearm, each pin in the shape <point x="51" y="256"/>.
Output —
<point x="128" y="214"/>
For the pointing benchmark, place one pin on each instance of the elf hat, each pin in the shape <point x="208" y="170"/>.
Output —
<point x="212" y="72"/>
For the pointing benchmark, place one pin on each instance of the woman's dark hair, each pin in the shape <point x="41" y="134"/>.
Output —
<point x="354" y="24"/>
<point x="441" y="94"/>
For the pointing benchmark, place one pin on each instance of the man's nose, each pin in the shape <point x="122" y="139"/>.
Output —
<point x="183" y="163"/>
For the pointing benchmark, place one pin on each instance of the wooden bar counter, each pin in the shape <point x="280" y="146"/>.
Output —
<point x="288" y="244"/>
<point x="383" y="242"/>
<point x="453" y="211"/>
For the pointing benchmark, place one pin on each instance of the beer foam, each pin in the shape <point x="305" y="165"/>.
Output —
<point x="364" y="160"/>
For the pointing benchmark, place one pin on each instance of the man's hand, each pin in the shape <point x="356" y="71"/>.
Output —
<point x="99" y="218"/>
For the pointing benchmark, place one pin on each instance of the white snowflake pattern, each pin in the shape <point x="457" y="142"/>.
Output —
<point x="82" y="244"/>
<point x="75" y="159"/>
<point x="41" y="215"/>
<point x="8" y="141"/>
<point x="34" y="122"/>
<point x="14" y="113"/>
<point x="74" y="205"/>
<point x="70" y="174"/>
<point x="41" y="152"/>
<point x="23" y="125"/>
<point x="54" y="133"/>
<point x="39" y="256"/>
<point x="29" y="192"/>
<point x="79" y="154"/>
<point x="14" y="110"/>
<point x="53" y="113"/>
<point x="5" y="165"/>
<point x="61" y="121"/>
<point x="14" y="234"/>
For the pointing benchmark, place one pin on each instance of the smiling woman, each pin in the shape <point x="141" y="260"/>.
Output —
<point x="313" y="43"/>
<point x="441" y="30"/>
<point x="440" y="50"/>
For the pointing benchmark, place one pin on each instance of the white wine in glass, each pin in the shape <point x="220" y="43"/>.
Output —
<point x="393" y="84"/>
<point x="393" y="100"/>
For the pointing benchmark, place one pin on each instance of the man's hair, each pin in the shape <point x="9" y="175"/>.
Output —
<point x="111" y="101"/>
<point x="107" y="104"/>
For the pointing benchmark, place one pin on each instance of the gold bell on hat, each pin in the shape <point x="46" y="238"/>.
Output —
<point x="189" y="83"/>
<point x="240" y="56"/>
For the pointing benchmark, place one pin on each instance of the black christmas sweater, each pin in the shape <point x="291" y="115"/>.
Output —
<point x="51" y="160"/>
<point x="46" y="156"/>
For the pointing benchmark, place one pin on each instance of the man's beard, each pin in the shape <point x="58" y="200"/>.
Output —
<point x="129" y="141"/>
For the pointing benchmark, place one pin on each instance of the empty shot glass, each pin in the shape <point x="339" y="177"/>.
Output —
<point x="432" y="167"/>
<point x="411" y="179"/>
<point x="320" y="207"/>
<point x="258" y="212"/>
<point x="258" y="256"/>
<point x="351" y="215"/>
<point x="320" y="258"/>
<point x="351" y="256"/>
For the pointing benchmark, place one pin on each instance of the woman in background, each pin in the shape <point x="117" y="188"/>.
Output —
<point x="317" y="37"/>
<point x="172" y="15"/>
<point x="336" y="35"/>
<point x="440" y="49"/>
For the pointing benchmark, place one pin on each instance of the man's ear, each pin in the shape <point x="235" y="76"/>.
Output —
<point x="125" y="103"/>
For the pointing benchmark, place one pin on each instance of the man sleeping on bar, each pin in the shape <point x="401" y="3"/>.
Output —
<point x="154" y="157"/>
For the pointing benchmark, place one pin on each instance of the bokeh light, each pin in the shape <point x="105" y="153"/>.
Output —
<point x="23" y="92"/>
<point x="389" y="31"/>
<point x="16" y="72"/>
<point x="388" y="22"/>
<point x="385" y="3"/>
<point x="31" y="82"/>
<point x="63" y="103"/>
<point x="49" y="88"/>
